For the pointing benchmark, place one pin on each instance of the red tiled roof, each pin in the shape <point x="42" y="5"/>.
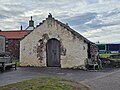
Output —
<point x="18" y="34"/>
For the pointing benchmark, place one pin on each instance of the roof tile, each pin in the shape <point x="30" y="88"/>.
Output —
<point x="18" y="34"/>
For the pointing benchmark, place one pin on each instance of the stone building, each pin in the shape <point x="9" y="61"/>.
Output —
<point x="12" y="41"/>
<point x="54" y="44"/>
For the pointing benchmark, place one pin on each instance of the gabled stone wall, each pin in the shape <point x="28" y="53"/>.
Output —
<point x="33" y="46"/>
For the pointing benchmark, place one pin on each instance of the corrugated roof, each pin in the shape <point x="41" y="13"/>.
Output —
<point x="18" y="34"/>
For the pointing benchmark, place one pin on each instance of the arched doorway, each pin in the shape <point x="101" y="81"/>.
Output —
<point x="53" y="53"/>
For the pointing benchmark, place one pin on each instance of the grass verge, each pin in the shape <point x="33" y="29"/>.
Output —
<point x="106" y="55"/>
<point x="45" y="84"/>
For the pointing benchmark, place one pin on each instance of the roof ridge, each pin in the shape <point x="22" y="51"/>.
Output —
<point x="72" y="30"/>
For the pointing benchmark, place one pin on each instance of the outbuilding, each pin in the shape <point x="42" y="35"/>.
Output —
<point x="54" y="44"/>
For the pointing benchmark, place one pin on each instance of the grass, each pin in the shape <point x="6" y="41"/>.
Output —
<point x="116" y="59"/>
<point x="106" y="55"/>
<point x="45" y="84"/>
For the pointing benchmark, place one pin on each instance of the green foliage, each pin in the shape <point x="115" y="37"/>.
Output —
<point x="18" y="64"/>
<point x="17" y="61"/>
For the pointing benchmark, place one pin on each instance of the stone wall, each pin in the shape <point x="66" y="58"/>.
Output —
<point x="13" y="47"/>
<point x="33" y="46"/>
<point x="94" y="52"/>
<point x="2" y="43"/>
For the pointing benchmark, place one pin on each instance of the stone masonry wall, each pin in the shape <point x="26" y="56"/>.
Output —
<point x="33" y="46"/>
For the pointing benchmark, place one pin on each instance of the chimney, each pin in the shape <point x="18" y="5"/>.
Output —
<point x="21" y="28"/>
<point x="31" y="23"/>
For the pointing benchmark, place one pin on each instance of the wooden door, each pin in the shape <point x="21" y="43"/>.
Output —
<point x="53" y="53"/>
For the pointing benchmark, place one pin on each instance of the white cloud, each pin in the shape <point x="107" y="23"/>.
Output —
<point x="108" y="34"/>
<point x="32" y="13"/>
<point x="92" y="33"/>
<point x="96" y="19"/>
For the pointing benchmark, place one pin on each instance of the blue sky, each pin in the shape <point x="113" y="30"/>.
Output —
<point x="98" y="20"/>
